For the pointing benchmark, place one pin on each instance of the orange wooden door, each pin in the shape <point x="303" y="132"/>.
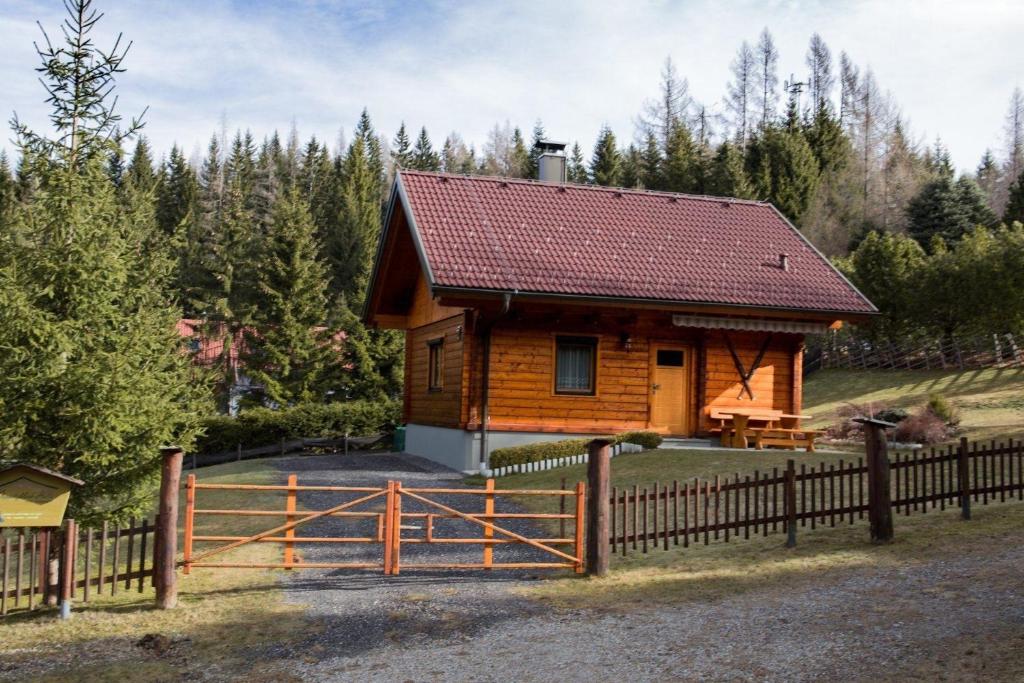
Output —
<point x="670" y="389"/>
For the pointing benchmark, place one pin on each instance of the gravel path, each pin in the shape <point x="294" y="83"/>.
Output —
<point x="930" y="620"/>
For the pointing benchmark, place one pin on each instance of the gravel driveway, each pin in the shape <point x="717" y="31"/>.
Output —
<point x="953" y="619"/>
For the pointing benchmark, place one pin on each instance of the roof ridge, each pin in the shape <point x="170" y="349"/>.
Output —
<point x="594" y="188"/>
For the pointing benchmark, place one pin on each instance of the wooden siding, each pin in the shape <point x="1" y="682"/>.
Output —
<point x="441" y="408"/>
<point x="522" y="376"/>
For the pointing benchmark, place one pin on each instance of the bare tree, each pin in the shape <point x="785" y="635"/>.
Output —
<point x="661" y="115"/>
<point x="741" y="91"/>
<point x="820" y="79"/>
<point x="768" y="77"/>
<point x="849" y="83"/>
<point x="1013" y="165"/>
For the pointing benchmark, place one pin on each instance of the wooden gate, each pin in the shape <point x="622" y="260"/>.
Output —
<point x="391" y="521"/>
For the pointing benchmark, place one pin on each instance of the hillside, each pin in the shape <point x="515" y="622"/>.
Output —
<point x="991" y="401"/>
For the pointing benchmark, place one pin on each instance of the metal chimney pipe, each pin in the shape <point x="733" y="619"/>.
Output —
<point x="551" y="162"/>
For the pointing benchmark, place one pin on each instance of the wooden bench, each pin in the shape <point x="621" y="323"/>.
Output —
<point x="784" y="438"/>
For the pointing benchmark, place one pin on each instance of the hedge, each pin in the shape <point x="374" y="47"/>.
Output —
<point x="548" y="450"/>
<point x="263" y="426"/>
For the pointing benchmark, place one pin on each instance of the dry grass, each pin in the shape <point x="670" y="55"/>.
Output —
<point x="223" y="619"/>
<point x="701" y="573"/>
<point x="990" y="400"/>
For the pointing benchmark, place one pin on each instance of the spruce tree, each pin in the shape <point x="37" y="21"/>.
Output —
<point x="519" y="156"/>
<point x="291" y="353"/>
<point x="679" y="166"/>
<point x="1015" y="203"/>
<point x="140" y="174"/>
<point x="533" y="169"/>
<point x="988" y="179"/>
<point x="178" y="194"/>
<point x="351" y="246"/>
<point x="401" y="154"/>
<point x="651" y="164"/>
<point x="632" y="168"/>
<point x="606" y="164"/>
<point x="576" y="167"/>
<point x="423" y="156"/>
<point x="93" y="379"/>
<point x="8" y="192"/>
<point x="947" y="209"/>
<point x="728" y="177"/>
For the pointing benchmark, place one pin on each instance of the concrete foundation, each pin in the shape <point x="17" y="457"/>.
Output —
<point x="460" y="449"/>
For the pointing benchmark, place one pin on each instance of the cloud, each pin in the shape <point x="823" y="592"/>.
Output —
<point x="465" y="65"/>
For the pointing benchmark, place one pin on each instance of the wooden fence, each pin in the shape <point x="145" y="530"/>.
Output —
<point x="106" y="559"/>
<point x="854" y="352"/>
<point x="729" y="508"/>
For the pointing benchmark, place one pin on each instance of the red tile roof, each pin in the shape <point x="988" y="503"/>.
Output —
<point x="502" y="234"/>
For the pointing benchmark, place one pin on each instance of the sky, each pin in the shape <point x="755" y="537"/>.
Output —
<point x="464" y="66"/>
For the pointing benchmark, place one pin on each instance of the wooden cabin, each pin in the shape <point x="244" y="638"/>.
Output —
<point x="538" y="310"/>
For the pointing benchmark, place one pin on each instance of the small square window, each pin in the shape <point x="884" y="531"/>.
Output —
<point x="575" y="365"/>
<point x="435" y="365"/>
<point x="668" y="358"/>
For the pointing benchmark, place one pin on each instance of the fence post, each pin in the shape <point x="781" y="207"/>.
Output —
<point x="389" y="520"/>
<point x="963" y="474"/>
<point x="68" y="579"/>
<point x="879" y="496"/>
<point x="598" y="476"/>
<point x="166" y="539"/>
<point x="190" y="516"/>
<point x="489" y="531"/>
<point x="790" y="494"/>
<point x="290" y="506"/>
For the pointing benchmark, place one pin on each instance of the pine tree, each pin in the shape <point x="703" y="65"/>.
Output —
<point x="92" y="378"/>
<point x="606" y="164"/>
<point x="401" y="154"/>
<point x="291" y="353"/>
<point x="1015" y="203"/>
<point x="783" y="168"/>
<point x="423" y="156"/>
<point x="576" y="168"/>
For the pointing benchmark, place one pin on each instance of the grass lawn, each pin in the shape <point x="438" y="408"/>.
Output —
<point x="222" y="618"/>
<point x="991" y="401"/>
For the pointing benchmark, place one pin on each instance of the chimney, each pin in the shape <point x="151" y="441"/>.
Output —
<point x="784" y="262"/>
<point x="551" y="162"/>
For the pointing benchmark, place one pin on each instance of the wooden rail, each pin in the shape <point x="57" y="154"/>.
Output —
<point x="390" y="525"/>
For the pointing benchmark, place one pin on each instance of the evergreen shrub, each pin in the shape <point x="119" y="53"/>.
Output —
<point x="263" y="426"/>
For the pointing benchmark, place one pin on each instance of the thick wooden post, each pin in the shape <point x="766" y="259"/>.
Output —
<point x="388" y="521"/>
<point x="964" y="476"/>
<point x="598" y="483"/>
<point x="790" y="498"/>
<point x="164" y="570"/>
<point x="879" y="500"/>
<point x="67" y="582"/>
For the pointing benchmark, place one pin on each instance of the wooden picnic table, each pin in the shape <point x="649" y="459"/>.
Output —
<point x="764" y="419"/>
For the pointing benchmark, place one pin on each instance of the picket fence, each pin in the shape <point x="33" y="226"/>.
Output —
<point x="552" y="463"/>
<point x="826" y="494"/>
<point x="105" y="559"/>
